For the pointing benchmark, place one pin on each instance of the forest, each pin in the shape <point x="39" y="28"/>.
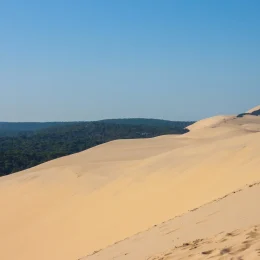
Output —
<point x="32" y="146"/>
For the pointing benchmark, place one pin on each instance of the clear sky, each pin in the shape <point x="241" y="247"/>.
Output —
<point x="90" y="59"/>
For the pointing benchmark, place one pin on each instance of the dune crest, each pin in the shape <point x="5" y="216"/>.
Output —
<point x="253" y="109"/>
<point x="72" y="206"/>
<point x="209" y="122"/>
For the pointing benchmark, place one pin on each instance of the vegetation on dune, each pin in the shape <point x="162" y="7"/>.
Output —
<point x="28" y="149"/>
<point x="254" y="113"/>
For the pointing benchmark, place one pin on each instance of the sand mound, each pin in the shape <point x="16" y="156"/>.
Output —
<point x="209" y="122"/>
<point x="72" y="206"/>
<point x="253" y="109"/>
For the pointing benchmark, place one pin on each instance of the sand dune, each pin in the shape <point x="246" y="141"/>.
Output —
<point x="253" y="109"/>
<point x="209" y="122"/>
<point x="225" y="228"/>
<point x="72" y="206"/>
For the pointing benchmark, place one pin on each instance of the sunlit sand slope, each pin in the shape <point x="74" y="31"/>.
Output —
<point x="72" y="206"/>
<point x="225" y="228"/>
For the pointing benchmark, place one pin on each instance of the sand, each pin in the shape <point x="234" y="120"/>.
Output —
<point x="253" y="109"/>
<point x="70" y="207"/>
<point x="222" y="229"/>
<point x="210" y="122"/>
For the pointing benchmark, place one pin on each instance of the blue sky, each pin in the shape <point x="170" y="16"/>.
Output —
<point x="93" y="59"/>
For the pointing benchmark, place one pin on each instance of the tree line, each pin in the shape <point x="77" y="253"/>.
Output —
<point x="28" y="149"/>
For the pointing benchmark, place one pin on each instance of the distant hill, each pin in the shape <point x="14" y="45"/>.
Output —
<point x="15" y="128"/>
<point x="150" y="122"/>
<point x="36" y="143"/>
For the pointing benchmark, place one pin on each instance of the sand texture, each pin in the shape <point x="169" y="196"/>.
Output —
<point x="223" y="229"/>
<point x="70" y="207"/>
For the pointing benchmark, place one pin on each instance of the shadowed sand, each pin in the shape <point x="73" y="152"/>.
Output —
<point x="72" y="206"/>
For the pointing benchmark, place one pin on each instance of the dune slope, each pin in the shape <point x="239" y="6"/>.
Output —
<point x="72" y="206"/>
<point x="225" y="228"/>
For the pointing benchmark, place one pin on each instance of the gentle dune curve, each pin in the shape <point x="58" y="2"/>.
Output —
<point x="72" y="206"/>
<point x="209" y="122"/>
